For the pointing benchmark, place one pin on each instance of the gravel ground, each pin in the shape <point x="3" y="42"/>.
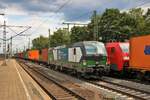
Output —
<point x="99" y="92"/>
<point x="126" y="83"/>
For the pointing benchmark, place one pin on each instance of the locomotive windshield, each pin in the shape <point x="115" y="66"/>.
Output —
<point x="95" y="48"/>
<point x="90" y="49"/>
<point x="125" y="47"/>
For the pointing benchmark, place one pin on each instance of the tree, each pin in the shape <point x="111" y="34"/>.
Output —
<point x="127" y="24"/>
<point x="111" y="25"/>
<point x="148" y="13"/>
<point x="94" y="25"/>
<point x="147" y="22"/>
<point x="60" y="37"/>
<point x="40" y="43"/>
<point x="79" y="34"/>
<point x="108" y="24"/>
<point x="119" y="26"/>
<point x="139" y="25"/>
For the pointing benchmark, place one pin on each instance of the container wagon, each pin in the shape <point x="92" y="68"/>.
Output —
<point x="87" y="58"/>
<point x="20" y="55"/>
<point x="33" y="55"/>
<point x="25" y="54"/>
<point x="44" y="56"/>
<point x="140" y="56"/>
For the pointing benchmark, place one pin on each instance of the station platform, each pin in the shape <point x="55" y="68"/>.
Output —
<point x="16" y="84"/>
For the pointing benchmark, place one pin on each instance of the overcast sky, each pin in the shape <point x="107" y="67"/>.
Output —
<point x="44" y="14"/>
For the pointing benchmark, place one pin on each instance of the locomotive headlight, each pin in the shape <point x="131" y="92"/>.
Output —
<point x="125" y="58"/>
<point x="84" y="62"/>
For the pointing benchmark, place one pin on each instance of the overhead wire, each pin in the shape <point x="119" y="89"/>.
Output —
<point x="84" y="14"/>
<point x="80" y="16"/>
<point x="141" y="4"/>
<point x="88" y="12"/>
<point x="146" y="2"/>
<point x="61" y="7"/>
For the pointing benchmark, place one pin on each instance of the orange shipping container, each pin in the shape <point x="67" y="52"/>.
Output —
<point x="33" y="54"/>
<point x="140" y="53"/>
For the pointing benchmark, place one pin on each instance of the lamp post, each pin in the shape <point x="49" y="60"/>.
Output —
<point x="4" y="39"/>
<point x="4" y="36"/>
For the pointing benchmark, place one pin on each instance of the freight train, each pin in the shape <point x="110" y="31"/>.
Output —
<point x="94" y="58"/>
<point x="87" y="59"/>
<point x="130" y="59"/>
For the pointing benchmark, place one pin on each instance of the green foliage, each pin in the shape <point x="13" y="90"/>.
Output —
<point x="79" y="34"/>
<point x="147" y="22"/>
<point x="139" y="25"/>
<point x="110" y="25"/>
<point x="116" y="25"/>
<point x="40" y="43"/>
<point x="60" y="37"/>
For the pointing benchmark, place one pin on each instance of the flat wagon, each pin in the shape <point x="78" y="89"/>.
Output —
<point x="33" y="54"/>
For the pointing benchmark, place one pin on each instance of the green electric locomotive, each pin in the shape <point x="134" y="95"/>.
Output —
<point x="87" y="58"/>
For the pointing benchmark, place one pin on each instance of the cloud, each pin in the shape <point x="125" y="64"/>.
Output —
<point x="71" y="10"/>
<point x="39" y="21"/>
<point x="41" y="14"/>
<point x="145" y="7"/>
<point x="39" y="25"/>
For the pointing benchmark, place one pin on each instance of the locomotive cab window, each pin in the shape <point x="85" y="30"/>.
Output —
<point x="90" y="49"/>
<point x="95" y="48"/>
<point x="124" y="47"/>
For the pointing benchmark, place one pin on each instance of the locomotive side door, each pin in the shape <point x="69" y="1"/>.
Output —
<point x="78" y="54"/>
<point x="75" y="54"/>
<point x="112" y="54"/>
<point x="113" y="59"/>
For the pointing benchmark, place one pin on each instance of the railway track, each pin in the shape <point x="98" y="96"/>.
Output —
<point x="121" y="89"/>
<point x="54" y="89"/>
<point x="77" y="92"/>
<point x="125" y="90"/>
<point x="138" y="85"/>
